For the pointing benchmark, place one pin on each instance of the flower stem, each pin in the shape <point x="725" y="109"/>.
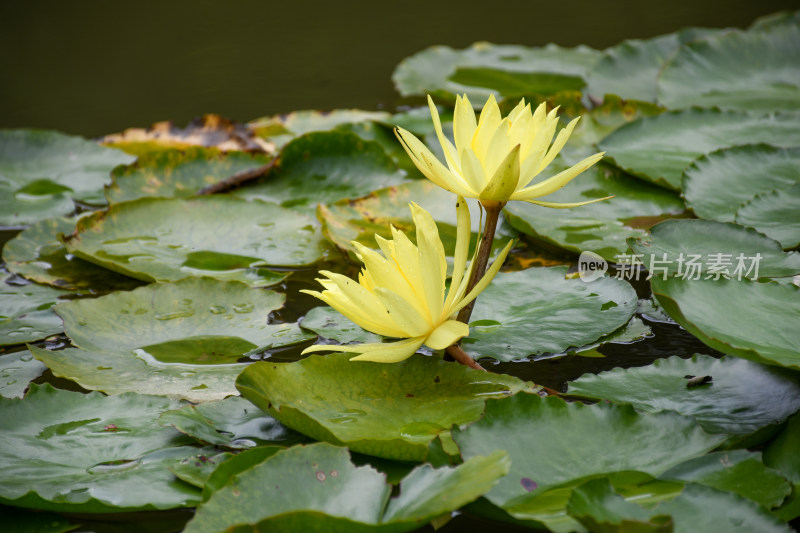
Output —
<point x="462" y="357"/>
<point x="482" y="258"/>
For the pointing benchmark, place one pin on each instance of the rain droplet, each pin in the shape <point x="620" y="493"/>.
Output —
<point x="217" y="309"/>
<point x="113" y="466"/>
<point x="175" y="314"/>
<point x="27" y="357"/>
<point x="243" y="308"/>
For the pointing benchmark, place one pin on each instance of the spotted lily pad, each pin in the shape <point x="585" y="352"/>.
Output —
<point x="38" y="255"/>
<point x="774" y="213"/>
<point x="41" y="171"/>
<point x="179" y="339"/>
<point x="716" y="185"/>
<point x="537" y="311"/>
<point x="280" y="129"/>
<point x="17" y="370"/>
<point x="25" y="313"/>
<point x="707" y="249"/>
<point x="320" y="489"/>
<point x="741" y="397"/>
<point x="325" y="167"/>
<point x="165" y="239"/>
<point x="484" y="69"/>
<point x="232" y="423"/>
<point x="756" y="321"/>
<point x="177" y="173"/>
<point x="387" y="410"/>
<point x="602" y="227"/>
<point x="661" y="147"/>
<point x="88" y="453"/>
<point x="748" y="71"/>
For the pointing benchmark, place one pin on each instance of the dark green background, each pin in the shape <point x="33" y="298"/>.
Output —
<point x="96" y="67"/>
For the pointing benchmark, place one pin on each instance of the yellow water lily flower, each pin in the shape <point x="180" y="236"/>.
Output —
<point x="495" y="159"/>
<point x="401" y="292"/>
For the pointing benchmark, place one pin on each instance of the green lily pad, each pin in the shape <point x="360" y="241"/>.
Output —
<point x="322" y="167"/>
<point x="25" y="313"/>
<point x="602" y="227"/>
<point x="224" y="473"/>
<point x="360" y="219"/>
<point x="179" y="339"/>
<point x="321" y="490"/>
<point x="329" y="323"/>
<point x="781" y="454"/>
<point x="197" y="469"/>
<point x="88" y="453"/>
<point x="737" y="471"/>
<point x="756" y="321"/>
<point x="697" y="508"/>
<point x="661" y="147"/>
<point x="387" y="410"/>
<point x="743" y="397"/>
<point x="280" y="129"/>
<point x="17" y="370"/>
<point x="707" y="249"/>
<point x="232" y="423"/>
<point x="537" y="311"/>
<point x="38" y="255"/>
<point x="484" y="69"/>
<point x="178" y="173"/>
<point x="716" y="185"/>
<point x="775" y="214"/>
<point x="546" y="439"/>
<point x="630" y="69"/>
<point x="767" y="22"/>
<point x="41" y="171"/>
<point x="165" y="239"/>
<point x="748" y="71"/>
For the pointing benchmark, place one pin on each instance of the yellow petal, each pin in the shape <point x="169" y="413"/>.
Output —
<point x="505" y="179"/>
<point x="390" y="352"/>
<point x="407" y="260"/>
<point x="487" y="124"/>
<point x="564" y="206"/>
<point x="453" y="182"/>
<point x="432" y="262"/>
<point x="472" y="171"/>
<point x="553" y="184"/>
<point x="450" y="153"/>
<point x="447" y="334"/>
<point x="558" y="144"/>
<point x="499" y="146"/>
<point x="424" y="159"/>
<point x="369" y="324"/>
<point x="464" y="123"/>
<point x="491" y="272"/>
<point x="463" y="237"/>
<point x="401" y="312"/>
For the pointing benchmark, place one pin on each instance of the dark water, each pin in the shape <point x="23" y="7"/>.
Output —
<point x="96" y="67"/>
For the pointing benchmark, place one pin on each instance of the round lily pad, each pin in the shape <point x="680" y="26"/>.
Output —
<point x="630" y="69"/>
<point x="740" y="397"/>
<point x="781" y="453"/>
<point x="319" y="489"/>
<point x="280" y="129"/>
<point x="388" y="410"/>
<point x="25" y="313"/>
<point x="178" y="173"/>
<point x="88" y="453"/>
<point x="179" y="339"/>
<point x="756" y="321"/>
<point x="775" y="214"/>
<point x="537" y="311"/>
<point x="17" y="370"/>
<point x="325" y="167"/>
<point x="748" y="71"/>
<point x="716" y="185"/>
<point x="484" y="69"/>
<point x="41" y="171"/>
<point x="38" y="255"/>
<point x="546" y="439"/>
<point x="601" y="227"/>
<point x="165" y="239"/>
<point x="661" y="147"/>
<point x="707" y="249"/>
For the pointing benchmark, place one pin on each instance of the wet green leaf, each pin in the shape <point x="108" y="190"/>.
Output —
<point x="601" y="227"/>
<point x="742" y="397"/>
<point x="747" y="71"/>
<point x="387" y="410"/>
<point x="224" y="473"/>
<point x="329" y="323"/>
<point x="38" y="255"/>
<point x="280" y="129"/>
<point x="73" y="452"/>
<point x="231" y="423"/>
<point x="546" y="439"/>
<point x="25" y="313"/>
<point x="700" y="249"/>
<point x="781" y="453"/>
<point x="756" y="321"/>
<point x="537" y="311"/>
<point x="485" y="68"/>
<point x="322" y="167"/>
<point x="165" y="239"/>
<point x="775" y="214"/>
<point x="41" y="171"/>
<point x="17" y="370"/>
<point x="195" y="470"/>
<point x="661" y="147"/>
<point x="180" y="339"/>
<point x="178" y="173"/>
<point x="319" y="489"/>
<point x="716" y="185"/>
